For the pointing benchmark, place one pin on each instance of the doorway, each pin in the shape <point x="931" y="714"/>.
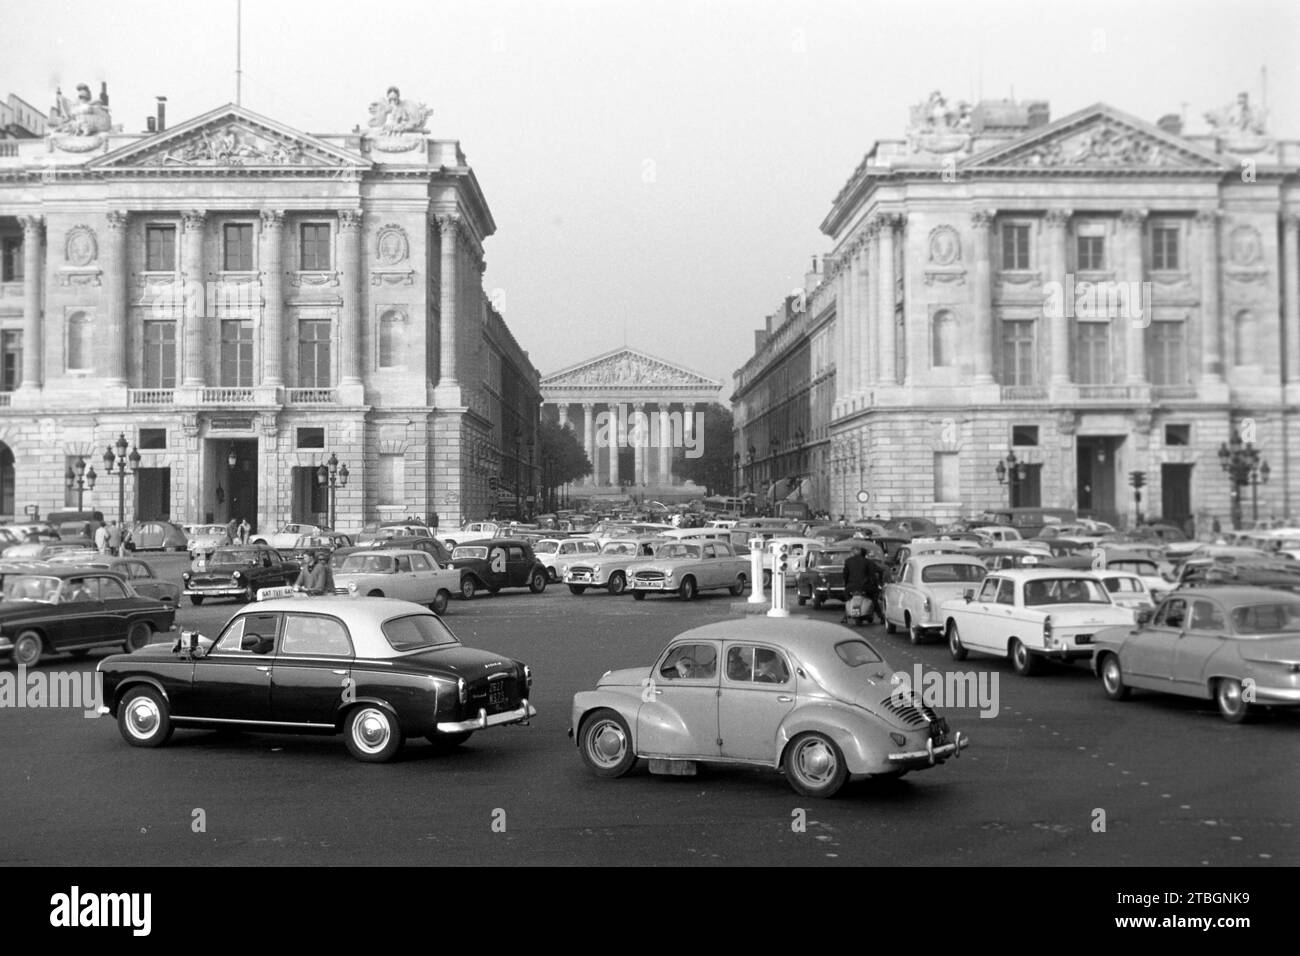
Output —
<point x="1096" y="469"/>
<point x="233" y="467"/>
<point x="153" y="494"/>
<point x="1176" y="493"/>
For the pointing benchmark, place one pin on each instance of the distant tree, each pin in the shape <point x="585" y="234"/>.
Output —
<point x="563" y="458"/>
<point x="712" y="470"/>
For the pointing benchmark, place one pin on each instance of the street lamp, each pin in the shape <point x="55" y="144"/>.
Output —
<point x="1009" y="471"/>
<point x="80" y="478"/>
<point x="1242" y="463"/>
<point x="332" y="476"/>
<point x="1258" y="476"/>
<point x="532" y="491"/>
<point x="117" y="464"/>
<point x="518" y="477"/>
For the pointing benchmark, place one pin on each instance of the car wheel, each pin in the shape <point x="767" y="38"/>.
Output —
<point x="1024" y="663"/>
<point x="738" y="588"/>
<point x="688" y="590"/>
<point x="537" y="583"/>
<point x="196" y="600"/>
<point x="617" y="583"/>
<point x="577" y="588"/>
<point x="955" y="647"/>
<point x="143" y="719"/>
<point x="448" y="741"/>
<point x="1232" y="706"/>
<point x="552" y="576"/>
<point x="138" y="637"/>
<point x="468" y="588"/>
<point x="817" y="603"/>
<point x="815" y="766"/>
<point x="372" y="735"/>
<point x="440" y="601"/>
<point x="1112" y="678"/>
<point x="606" y="744"/>
<point x="375" y="593"/>
<point x="27" y="649"/>
<point x="638" y="595"/>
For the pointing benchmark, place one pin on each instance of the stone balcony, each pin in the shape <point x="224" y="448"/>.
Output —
<point x="226" y="396"/>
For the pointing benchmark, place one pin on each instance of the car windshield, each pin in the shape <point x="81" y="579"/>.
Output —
<point x="476" y="552"/>
<point x="367" y="564"/>
<point x="210" y="529"/>
<point x="228" y="556"/>
<point x="1064" y="591"/>
<point x="32" y="588"/>
<point x="1264" y="619"/>
<point x="1134" y="567"/>
<point x="415" y="632"/>
<point x="951" y="573"/>
<point x="620" y="547"/>
<point x="679" y="551"/>
<point x="546" y="547"/>
<point x="856" y="653"/>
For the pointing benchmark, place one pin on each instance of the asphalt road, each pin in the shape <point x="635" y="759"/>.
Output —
<point x="1177" y="784"/>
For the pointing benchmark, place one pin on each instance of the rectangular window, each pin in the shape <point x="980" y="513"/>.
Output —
<point x="160" y="355"/>
<point x="1091" y="253"/>
<point x="237" y="354"/>
<point x="392" y="479"/>
<point x="153" y="439"/>
<point x="946" y="474"/>
<point x="11" y="361"/>
<point x="1026" y="435"/>
<point x="80" y="345"/>
<point x="315" y="243"/>
<point x="1167" y="354"/>
<point x="1019" y="365"/>
<point x="311" y="437"/>
<point x="1015" y="246"/>
<point x="1164" y="247"/>
<point x="1178" y="434"/>
<point x="392" y="339"/>
<point x="1027" y="492"/>
<point x="314" y="353"/>
<point x="160" y="248"/>
<point x="237" y="247"/>
<point x="1092" y="355"/>
<point x="11" y="259"/>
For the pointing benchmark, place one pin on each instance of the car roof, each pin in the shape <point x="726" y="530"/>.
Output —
<point x="1237" y="594"/>
<point x="362" y="616"/>
<point x="1038" y="572"/>
<point x="806" y="638"/>
<point x="66" y="571"/>
<point x="929" y="558"/>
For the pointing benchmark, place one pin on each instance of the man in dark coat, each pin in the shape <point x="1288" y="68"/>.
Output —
<point x="857" y="578"/>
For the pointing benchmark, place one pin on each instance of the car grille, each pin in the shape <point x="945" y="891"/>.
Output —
<point x="582" y="569"/>
<point x="649" y="575"/>
<point x="909" y="711"/>
<point x="494" y="696"/>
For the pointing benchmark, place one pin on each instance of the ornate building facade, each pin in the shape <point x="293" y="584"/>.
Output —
<point x="242" y="301"/>
<point x="1096" y="295"/>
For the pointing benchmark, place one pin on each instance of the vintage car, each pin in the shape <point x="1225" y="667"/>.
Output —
<point x="1237" y="646"/>
<point x="996" y="559"/>
<point x="81" y="547"/>
<point x="608" y="568"/>
<point x="324" y="541"/>
<point x="802" y="696"/>
<point x="1030" y="615"/>
<point x="552" y="551"/>
<point x="689" y="567"/>
<point x="374" y="669"/>
<point x="203" y="539"/>
<point x="238" y="573"/>
<point x="406" y="575"/>
<point x="287" y="536"/>
<point x="924" y="583"/>
<point x="434" y="548"/>
<point x="821" y="577"/>
<point x="1127" y="589"/>
<point x="494" y="563"/>
<point x="69" y="609"/>
<point x="141" y="577"/>
<point x="158" y="536"/>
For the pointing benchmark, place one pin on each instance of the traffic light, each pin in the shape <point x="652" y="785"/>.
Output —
<point x="492" y="482"/>
<point x="1137" y="478"/>
<point x="782" y="558"/>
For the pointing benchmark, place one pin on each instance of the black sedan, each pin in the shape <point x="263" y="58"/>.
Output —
<point x="496" y="563"/>
<point x="75" y="610"/>
<point x="238" y="573"/>
<point x="376" y="670"/>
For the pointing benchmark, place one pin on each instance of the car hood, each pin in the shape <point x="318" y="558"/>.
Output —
<point x="1284" y="649"/>
<point x="626" y="677"/>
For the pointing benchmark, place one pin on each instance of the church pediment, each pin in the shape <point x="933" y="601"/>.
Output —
<point x="627" y="368"/>
<point x="230" y="138"/>
<point x="1098" y="138"/>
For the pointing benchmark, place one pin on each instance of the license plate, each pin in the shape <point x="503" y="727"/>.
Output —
<point x="580" y="576"/>
<point x="1083" y="638"/>
<point x="657" y="585"/>
<point x="497" y="694"/>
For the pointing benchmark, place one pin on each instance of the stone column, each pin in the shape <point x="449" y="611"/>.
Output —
<point x="613" y="446"/>
<point x="1135" y="333"/>
<point x="33" y="347"/>
<point x="193" y="275"/>
<point x="562" y="409"/>
<point x="1291" y="297"/>
<point x="450" y="227"/>
<point x="848" y="285"/>
<point x="981" y="223"/>
<point x="589" y="440"/>
<point x="272" y="296"/>
<point x="869" y="320"/>
<point x="885" y="298"/>
<point x="665" y="446"/>
<point x="860" y="348"/>
<point x="350" y="310"/>
<point x="1207" y="221"/>
<point x="113" y="252"/>
<point x="1057" y="221"/>
<point x="638" y="448"/>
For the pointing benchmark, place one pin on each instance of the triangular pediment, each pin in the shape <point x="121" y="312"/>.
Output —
<point x="230" y="137"/>
<point x="628" y="368"/>
<point x="1100" y="138"/>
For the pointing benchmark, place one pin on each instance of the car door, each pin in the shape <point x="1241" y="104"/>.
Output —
<point x="424" y="581"/>
<point x="310" y="673"/>
<point x="497" y="570"/>
<point x="1148" y="654"/>
<point x="975" y="619"/>
<point x="518" y="565"/>
<point x="1207" y="630"/>
<point x="403" y="584"/>
<point x="233" y="682"/>
<point x="79" y="619"/>
<point x="756" y="695"/>
<point x="120" y="608"/>
<point x="679" y="713"/>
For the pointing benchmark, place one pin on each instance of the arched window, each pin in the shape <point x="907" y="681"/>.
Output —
<point x="80" y="347"/>
<point x="943" y="334"/>
<point x="392" y="339"/>
<point x="1246" y="338"/>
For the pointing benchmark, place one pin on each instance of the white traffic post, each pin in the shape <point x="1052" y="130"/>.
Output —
<point x="756" y="571"/>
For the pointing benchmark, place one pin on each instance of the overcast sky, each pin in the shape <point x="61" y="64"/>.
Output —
<point x="657" y="170"/>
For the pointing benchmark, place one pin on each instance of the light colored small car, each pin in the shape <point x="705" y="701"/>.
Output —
<point x="1031" y="614"/>
<point x="553" y="551"/>
<point x="924" y="583"/>
<point x="206" y="538"/>
<point x="286" y="536"/>
<point x="1127" y="589"/>
<point x="158" y="536"/>
<point x="1237" y="646"/>
<point x="406" y="575"/>
<point x="608" y="568"/>
<point x="806" y="697"/>
<point x="689" y="567"/>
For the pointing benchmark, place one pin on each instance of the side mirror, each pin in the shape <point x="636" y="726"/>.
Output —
<point x="1144" y="616"/>
<point x="969" y="595"/>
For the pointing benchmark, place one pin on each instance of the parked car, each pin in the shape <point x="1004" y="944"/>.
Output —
<point x="924" y="583"/>
<point x="607" y="568"/>
<point x="434" y="548"/>
<point x="1237" y="646"/>
<point x="281" y="666"/>
<point x="1031" y="614"/>
<point x="75" y="524"/>
<point x="58" y="610"/>
<point x="141" y="577"/>
<point x="203" y="539"/>
<point x="995" y="559"/>
<point x="324" y="541"/>
<point x="238" y="573"/>
<point x="801" y="696"/>
<point x="1127" y="589"/>
<point x="158" y="536"/>
<point x="552" y="551"/>
<point x="406" y="575"/>
<point x="79" y="547"/>
<point x="821" y="578"/>
<point x="496" y="563"/>
<point x="287" y="535"/>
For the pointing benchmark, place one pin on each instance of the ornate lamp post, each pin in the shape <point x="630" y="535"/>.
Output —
<point x="1242" y="462"/>
<point x="332" y="476"/>
<point x="117" y="464"/>
<point x="1010" y="471"/>
<point x="81" y="478"/>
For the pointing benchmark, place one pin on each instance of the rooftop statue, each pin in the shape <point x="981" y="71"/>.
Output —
<point x="1238" y="118"/>
<point x="393" y="115"/>
<point x="85" y="116"/>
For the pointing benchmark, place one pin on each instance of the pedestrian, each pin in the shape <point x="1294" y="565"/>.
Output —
<point x="101" y="539"/>
<point x="128" y="542"/>
<point x="1215" y="527"/>
<point x="856" y="582"/>
<point x="433" y="522"/>
<point x="232" y="530"/>
<point x="244" y="529"/>
<point x="114" y="538"/>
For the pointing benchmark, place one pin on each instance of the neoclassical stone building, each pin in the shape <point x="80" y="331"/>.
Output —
<point x="243" y="300"/>
<point x="1097" y="295"/>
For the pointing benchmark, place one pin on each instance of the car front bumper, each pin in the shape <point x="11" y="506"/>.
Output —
<point x="227" y="591"/>
<point x="1279" y="696"/>
<point x="520" y="715"/>
<point x="931" y="755"/>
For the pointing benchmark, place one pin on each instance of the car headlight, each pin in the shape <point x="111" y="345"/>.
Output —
<point x="528" y="677"/>
<point x="595" y="569"/>
<point x="236" y="576"/>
